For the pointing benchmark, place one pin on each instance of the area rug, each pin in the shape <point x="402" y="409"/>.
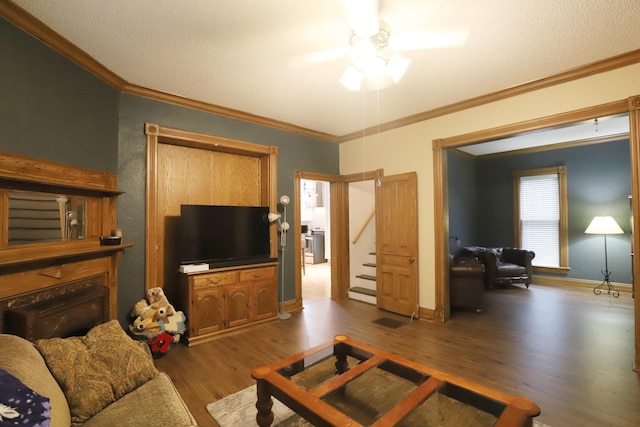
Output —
<point x="239" y="409"/>
<point x="387" y="322"/>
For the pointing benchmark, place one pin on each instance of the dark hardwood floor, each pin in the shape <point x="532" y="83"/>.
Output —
<point x="568" y="350"/>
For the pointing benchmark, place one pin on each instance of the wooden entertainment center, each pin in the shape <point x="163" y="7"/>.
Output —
<point x="219" y="300"/>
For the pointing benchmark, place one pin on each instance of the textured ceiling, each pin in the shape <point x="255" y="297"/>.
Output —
<point x="261" y="57"/>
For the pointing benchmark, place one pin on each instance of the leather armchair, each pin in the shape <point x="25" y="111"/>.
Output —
<point x="466" y="283"/>
<point x="504" y="266"/>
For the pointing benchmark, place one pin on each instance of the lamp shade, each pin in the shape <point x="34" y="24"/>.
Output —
<point x="273" y="216"/>
<point x="603" y="225"/>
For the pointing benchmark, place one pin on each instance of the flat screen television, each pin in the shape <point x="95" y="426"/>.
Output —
<point x="224" y="235"/>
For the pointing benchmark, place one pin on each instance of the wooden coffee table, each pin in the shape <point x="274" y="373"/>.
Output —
<point x="347" y="383"/>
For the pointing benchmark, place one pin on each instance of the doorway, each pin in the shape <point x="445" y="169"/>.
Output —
<point x="441" y="174"/>
<point x="315" y="239"/>
<point x="362" y="242"/>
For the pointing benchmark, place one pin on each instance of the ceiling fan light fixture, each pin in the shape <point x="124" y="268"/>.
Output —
<point x="362" y="52"/>
<point x="352" y="79"/>
<point x="376" y="67"/>
<point x="396" y="67"/>
<point x="370" y="58"/>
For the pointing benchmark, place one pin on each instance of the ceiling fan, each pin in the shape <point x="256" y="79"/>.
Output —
<point x="374" y="47"/>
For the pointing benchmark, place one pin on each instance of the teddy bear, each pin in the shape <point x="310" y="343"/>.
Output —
<point x="152" y="311"/>
<point x="157" y="296"/>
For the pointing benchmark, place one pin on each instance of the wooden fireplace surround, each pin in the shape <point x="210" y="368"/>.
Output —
<point x="38" y="280"/>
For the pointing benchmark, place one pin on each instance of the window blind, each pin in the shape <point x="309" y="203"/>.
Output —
<point x="540" y="217"/>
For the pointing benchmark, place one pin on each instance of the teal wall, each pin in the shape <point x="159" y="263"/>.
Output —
<point x="598" y="183"/>
<point x="54" y="110"/>
<point x="461" y="185"/>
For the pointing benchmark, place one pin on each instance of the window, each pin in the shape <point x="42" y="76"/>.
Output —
<point x="540" y="212"/>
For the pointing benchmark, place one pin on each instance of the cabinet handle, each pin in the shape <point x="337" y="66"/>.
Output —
<point x="213" y="282"/>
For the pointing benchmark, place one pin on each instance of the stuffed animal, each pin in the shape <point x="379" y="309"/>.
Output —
<point x="160" y="344"/>
<point x="144" y="311"/>
<point x="146" y="325"/>
<point x="138" y="308"/>
<point x="147" y="321"/>
<point x="157" y="296"/>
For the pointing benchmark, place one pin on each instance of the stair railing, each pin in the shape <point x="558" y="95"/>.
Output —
<point x="366" y="222"/>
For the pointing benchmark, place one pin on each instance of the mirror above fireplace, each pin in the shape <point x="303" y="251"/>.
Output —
<point x="44" y="217"/>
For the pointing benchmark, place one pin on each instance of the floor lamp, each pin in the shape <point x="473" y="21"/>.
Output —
<point x="284" y="227"/>
<point x="605" y="225"/>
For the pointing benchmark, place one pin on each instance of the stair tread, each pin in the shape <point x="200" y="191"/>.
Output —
<point x="362" y="290"/>
<point x="369" y="264"/>
<point x="366" y="276"/>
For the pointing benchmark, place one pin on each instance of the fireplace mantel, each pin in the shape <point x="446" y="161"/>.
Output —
<point x="36" y="271"/>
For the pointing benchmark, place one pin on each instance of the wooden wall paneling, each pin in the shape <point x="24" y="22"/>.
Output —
<point x="179" y="181"/>
<point x="270" y="191"/>
<point x="244" y="189"/>
<point x="151" y="246"/>
<point x="189" y="168"/>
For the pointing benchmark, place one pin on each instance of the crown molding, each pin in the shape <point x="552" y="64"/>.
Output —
<point x="224" y="111"/>
<point x="598" y="67"/>
<point x="28" y="23"/>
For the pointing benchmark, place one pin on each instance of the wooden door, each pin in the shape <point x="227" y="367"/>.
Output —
<point x="397" y="244"/>
<point x="265" y="300"/>
<point x="238" y="305"/>
<point x="208" y="315"/>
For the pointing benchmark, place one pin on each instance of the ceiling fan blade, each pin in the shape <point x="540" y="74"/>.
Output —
<point x="363" y="17"/>
<point x="325" y="55"/>
<point x="428" y="39"/>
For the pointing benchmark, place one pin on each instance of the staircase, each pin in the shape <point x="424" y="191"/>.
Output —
<point x="364" y="288"/>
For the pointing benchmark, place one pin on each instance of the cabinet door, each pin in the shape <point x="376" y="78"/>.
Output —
<point x="265" y="302"/>
<point x="238" y="305"/>
<point x="208" y="311"/>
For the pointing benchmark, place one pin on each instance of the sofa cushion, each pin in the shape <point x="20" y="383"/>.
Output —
<point x="96" y="369"/>
<point x="506" y="269"/>
<point x="155" y="403"/>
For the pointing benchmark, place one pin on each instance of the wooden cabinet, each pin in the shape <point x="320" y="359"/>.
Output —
<point x="220" y="300"/>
